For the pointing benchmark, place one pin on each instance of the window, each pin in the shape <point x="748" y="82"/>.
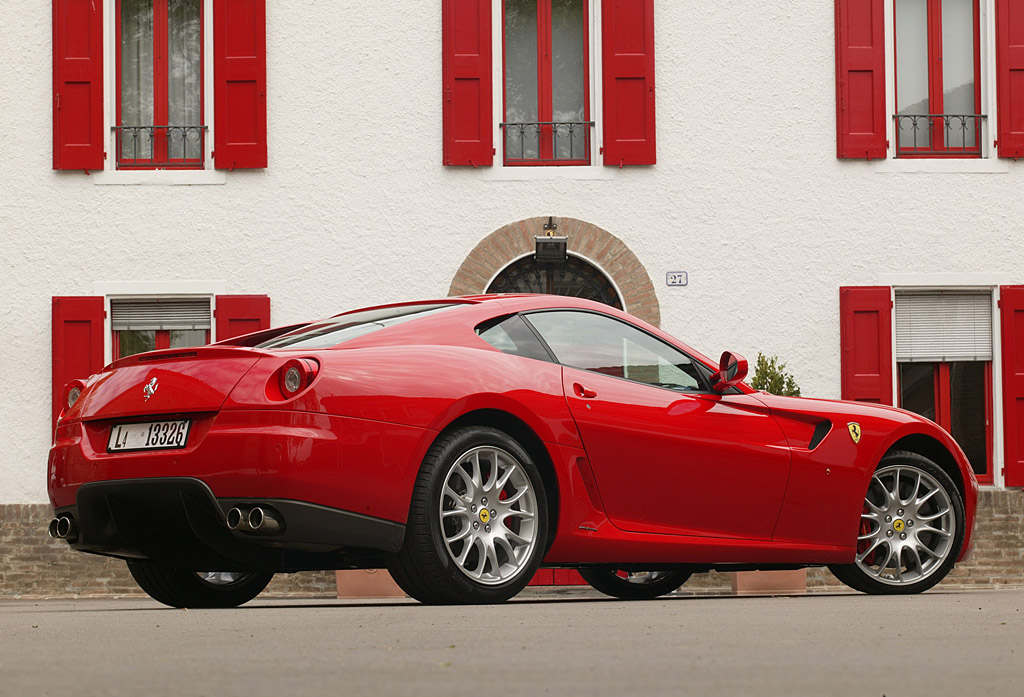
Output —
<point x="944" y="361"/>
<point x="549" y="76"/>
<point x="147" y="325"/>
<point x="935" y="103"/>
<point x="512" y="335"/>
<point x="938" y="78"/>
<point x="605" y="345"/>
<point x="160" y="120"/>
<point x="351" y="325"/>
<point x="165" y="110"/>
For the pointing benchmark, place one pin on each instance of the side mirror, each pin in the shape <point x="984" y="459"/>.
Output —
<point x="732" y="368"/>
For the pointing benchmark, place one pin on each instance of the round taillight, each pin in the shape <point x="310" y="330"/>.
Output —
<point x="296" y="375"/>
<point x="291" y="380"/>
<point x="72" y="391"/>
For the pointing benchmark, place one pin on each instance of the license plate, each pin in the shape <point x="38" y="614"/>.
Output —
<point x="151" y="435"/>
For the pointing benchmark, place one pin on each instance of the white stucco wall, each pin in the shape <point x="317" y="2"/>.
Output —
<point x="355" y="207"/>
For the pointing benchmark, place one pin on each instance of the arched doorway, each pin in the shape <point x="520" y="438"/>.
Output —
<point x="600" y="267"/>
<point x="574" y="277"/>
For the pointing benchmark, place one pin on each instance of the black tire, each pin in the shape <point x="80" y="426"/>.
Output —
<point x="177" y="588"/>
<point x="924" y="574"/>
<point x="618" y="583"/>
<point x="427" y="568"/>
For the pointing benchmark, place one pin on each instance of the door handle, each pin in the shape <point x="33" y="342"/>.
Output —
<point x="582" y="391"/>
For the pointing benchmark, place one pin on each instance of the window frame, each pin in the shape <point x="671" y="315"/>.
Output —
<point x="110" y="175"/>
<point x="594" y="91"/>
<point x="985" y="72"/>
<point x="161" y="106"/>
<point x="702" y="370"/>
<point x="545" y="93"/>
<point x="936" y="87"/>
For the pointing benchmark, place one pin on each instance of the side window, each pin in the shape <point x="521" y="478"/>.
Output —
<point x="605" y="345"/>
<point x="511" y="335"/>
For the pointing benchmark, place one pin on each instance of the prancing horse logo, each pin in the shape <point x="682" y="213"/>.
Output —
<point x="854" y="431"/>
<point x="149" y="390"/>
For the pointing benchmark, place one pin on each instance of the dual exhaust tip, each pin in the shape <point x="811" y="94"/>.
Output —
<point x="260" y="520"/>
<point x="64" y="528"/>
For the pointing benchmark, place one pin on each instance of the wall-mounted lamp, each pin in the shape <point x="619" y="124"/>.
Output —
<point x="551" y="248"/>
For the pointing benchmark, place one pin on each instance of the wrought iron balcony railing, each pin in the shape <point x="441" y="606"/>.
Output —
<point x="939" y="135"/>
<point x="160" y="147"/>
<point x="547" y="142"/>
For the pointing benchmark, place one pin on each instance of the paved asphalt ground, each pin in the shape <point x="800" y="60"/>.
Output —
<point x="961" y="643"/>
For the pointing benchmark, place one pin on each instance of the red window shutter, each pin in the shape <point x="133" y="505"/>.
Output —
<point x="466" y="68"/>
<point x="860" y="79"/>
<point x="77" y="343"/>
<point x="628" y="47"/>
<point x="865" y="330"/>
<point x="240" y="84"/>
<point x="1010" y="76"/>
<point x="1011" y="307"/>
<point x="241" y="314"/>
<point x="77" y="84"/>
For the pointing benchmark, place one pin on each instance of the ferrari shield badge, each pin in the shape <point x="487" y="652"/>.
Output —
<point x="854" y="431"/>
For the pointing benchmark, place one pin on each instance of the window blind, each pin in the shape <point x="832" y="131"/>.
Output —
<point x="169" y="314"/>
<point x="943" y="327"/>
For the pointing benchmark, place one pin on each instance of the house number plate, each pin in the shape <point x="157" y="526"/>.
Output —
<point x="676" y="278"/>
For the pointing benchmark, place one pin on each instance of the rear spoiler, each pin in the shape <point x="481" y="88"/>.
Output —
<point x="259" y="337"/>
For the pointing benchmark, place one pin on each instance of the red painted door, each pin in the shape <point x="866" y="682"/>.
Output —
<point x="678" y="463"/>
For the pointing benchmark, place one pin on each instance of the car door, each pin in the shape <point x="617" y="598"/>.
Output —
<point x="669" y="455"/>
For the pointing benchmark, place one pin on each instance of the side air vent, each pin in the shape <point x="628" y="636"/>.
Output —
<point x="820" y="431"/>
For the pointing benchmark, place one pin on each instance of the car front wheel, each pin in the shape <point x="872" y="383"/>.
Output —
<point x="191" y="589"/>
<point x="478" y="521"/>
<point x="911" y="528"/>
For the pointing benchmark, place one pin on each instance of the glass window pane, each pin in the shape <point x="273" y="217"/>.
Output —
<point x="521" y="79"/>
<point x="184" y="78"/>
<point x="183" y="338"/>
<point x="917" y="388"/>
<point x="568" y="75"/>
<point x="967" y="412"/>
<point x="511" y="335"/>
<point x="135" y="341"/>
<point x="912" y="72"/>
<point x="605" y="345"/>
<point x="136" y="77"/>
<point x="958" y="70"/>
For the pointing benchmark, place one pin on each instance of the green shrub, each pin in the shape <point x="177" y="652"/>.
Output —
<point x="771" y="376"/>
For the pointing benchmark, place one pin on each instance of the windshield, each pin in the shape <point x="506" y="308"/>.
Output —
<point x="346" y="327"/>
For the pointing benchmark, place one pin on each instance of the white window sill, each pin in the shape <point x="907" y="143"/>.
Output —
<point x="992" y="165"/>
<point x="540" y="173"/>
<point x="197" y="177"/>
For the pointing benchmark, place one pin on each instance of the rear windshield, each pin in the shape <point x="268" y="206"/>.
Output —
<point x="340" y="329"/>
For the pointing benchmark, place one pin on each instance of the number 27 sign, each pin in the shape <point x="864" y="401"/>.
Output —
<point x="676" y="278"/>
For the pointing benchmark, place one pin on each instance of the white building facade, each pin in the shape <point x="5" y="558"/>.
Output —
<point x="183" y="164"/>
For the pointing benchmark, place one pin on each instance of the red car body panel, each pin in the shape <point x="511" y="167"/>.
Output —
<point x="643" y="474"/>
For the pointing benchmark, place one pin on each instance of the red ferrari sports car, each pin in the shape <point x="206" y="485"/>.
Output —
<point x="462" y="443"/>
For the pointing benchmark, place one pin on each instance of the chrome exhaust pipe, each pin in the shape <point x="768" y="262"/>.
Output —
<point x="238" y="519"/>
<point x="52" y="530"/>
<point x="264" y="521"/>
<point x="66" y="528"/>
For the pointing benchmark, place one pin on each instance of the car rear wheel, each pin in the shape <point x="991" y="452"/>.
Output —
<point x="478" y="521"/>
<point x="911" y="528"/>
<point x="633" y="585"/>
<point x="191" y="589"/>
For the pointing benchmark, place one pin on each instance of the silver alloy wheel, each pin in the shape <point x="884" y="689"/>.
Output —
<point x="488" y="514"/>
<point x="907" y="527"/>
<point x="222" y="578"/>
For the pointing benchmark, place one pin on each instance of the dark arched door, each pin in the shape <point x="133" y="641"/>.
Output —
<point x="573" y="277"/>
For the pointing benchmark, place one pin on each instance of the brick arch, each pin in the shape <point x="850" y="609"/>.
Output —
<point x="599" y="247"/>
